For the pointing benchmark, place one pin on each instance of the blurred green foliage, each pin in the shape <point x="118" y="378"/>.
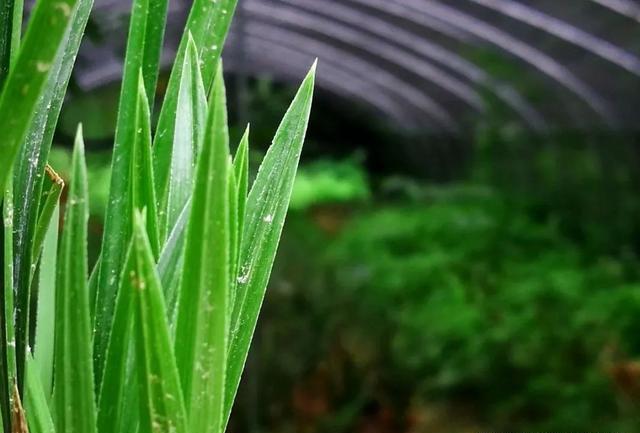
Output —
<point x="329" y="181"/>
<point x="462" y="298"/>
<point x="476" y="302"/>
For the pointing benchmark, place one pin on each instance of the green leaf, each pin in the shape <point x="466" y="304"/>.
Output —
<point x="29" y="167"/>
<point x="265" y="214"/>
<point x="142" y="191"/>
<point x="6" y="33"/>
<point x="93" y="288"/>
<point x="172" y="258"/>
<point x="161" y="403"/>
<point x="10" y="33"/>
<point x="73" y="374"/>
<point x="35" y="404"/>
<point x="51" y="201"/>
<point x="46" y="34"/>
<point x="241" y="169"/>
<point x="44" y="341"/>
<point x="208" y="24"/>
<point x="189" y="128"/>
<point x="113" y="403"/>
<point x="241" y="179"/>
<point x="234" y="236"/>
<point x="8" y="372"/>
<point x="144" y="45"/>
<point x="202" y="327"/>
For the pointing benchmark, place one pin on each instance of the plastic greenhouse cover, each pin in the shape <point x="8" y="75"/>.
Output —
<point x="428" y="64"/>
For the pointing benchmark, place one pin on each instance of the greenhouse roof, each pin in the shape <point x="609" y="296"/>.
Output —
<point x="430" y="64"/>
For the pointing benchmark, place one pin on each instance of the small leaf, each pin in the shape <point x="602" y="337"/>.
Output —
<point x="45" y="324"/>
<point x="202" y="327"/>
<point x="172" y="258"/>
<point x="241" y="169"/>
<point x="189" y="128"/>
<point x="142" y="191"/>
<point x="161" y="403"/>
<point x="73" y="372"/>
<point x="234" y="236"/>
<point x="8" y="371"/>
<point x="241" y="179"/>
<point x="36" y="407"/>
<point x="265" y="214"/>
<point x="10" y="33"/>
<point x="6" y="26"/>
<point x="51" y="201"/>
<point x="116" y="385"/>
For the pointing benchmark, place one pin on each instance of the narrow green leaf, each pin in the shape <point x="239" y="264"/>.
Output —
<point x="6" y="33"/>
<point x="208" y="24"/>
<point x="46" y="33"/>
<point x="202" y="327"/>
<point x="51" y="201"/>
<point x="241" y="177"/>
<point x="265" y="214"/>
<point x="29" y="170"/>
<point x="35" y="404"/>
<point x="93" y="288"/>
<point x="116" y="384"/>
<point x="172" y="258"/>
<point x="142" y="190"/>
<point x="43" y="349"/>
<point x="144" y="45"/>
<point x="241" y="169"/>
<point x="161" y="402"/>
<point x="73" y="374"/>
<point x="16" y="29"/>
<point x="234" y="236"/>
<point x="8" y="374"/>
<point x="10" y="33"/>
<point x="190" y="119"/>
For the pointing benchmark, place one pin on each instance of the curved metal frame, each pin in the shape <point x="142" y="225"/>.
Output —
<point x="351" y="35"/>
<point x="288" y="66"/>
<point x="565" y="31"/>
<point x="356" y="67"/>
<point x="508" y="43"/>
<point x="297" y="18"/>
<point x="625" y="8"/>
<point x="432" y="51"/>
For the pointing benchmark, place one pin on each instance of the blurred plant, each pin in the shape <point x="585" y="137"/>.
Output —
<point x="155" y="338"/>
<point x="488" y="307"/>
<point x="451" y="297"/>
<point x="330" y="182"/>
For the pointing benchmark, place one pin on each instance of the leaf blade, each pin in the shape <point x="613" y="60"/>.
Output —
<point x="30" y="167"/>
<point x="265" y="214"/>
<point x="44" y="341"/>
<point x="142" y="190"/>
<point x="48" y="26"/>
<point x="190" y="119"/>
<point x="208" y="24"/>
<point x="144" y="43"/>
<point x="161" y="403"/>
<point x="73" y="374"/>
<point x="202" y="326"/>
<point x="112" y="401"/>
<point x="36" y="407"/>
